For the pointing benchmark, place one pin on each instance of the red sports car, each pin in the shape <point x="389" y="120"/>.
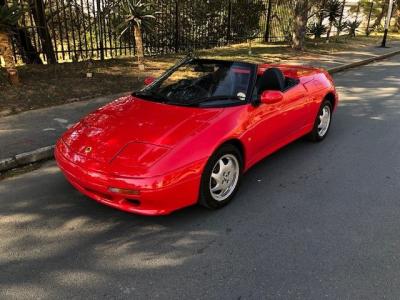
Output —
<point x="190" y="135"/>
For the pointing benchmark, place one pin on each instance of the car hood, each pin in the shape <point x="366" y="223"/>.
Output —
<point x="139" y="129"/>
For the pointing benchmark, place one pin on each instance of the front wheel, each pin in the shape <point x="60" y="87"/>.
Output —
<point x="322" y="122"/>
<point x="221" y="177"/>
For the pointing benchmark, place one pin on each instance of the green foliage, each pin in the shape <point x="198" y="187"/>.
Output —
<point x="246" y="16"/>
<point x="130" y="13"/>
<point x="316" y="29"/>
<point x="333" y="10"/>
<point x="283" y="19"/>
<point x="341" y="27"/>
<point x="9" y="16"/>
<point x="352" y="27"/>
<point x="365" y="6"/>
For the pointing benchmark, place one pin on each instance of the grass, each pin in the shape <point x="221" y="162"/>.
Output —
<point x="48" y="85"/>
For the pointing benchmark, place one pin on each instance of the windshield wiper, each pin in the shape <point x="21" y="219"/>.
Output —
<point x="149" y="96"/>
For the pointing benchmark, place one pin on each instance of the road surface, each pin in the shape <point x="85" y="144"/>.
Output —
<point x="312" y="221"/>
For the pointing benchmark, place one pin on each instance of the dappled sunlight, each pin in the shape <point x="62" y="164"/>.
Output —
<point x="378" y="118"/>
<point x="143" y="260"/>
<point x="357" y="93"/>
<point x="22" y="290"/>
<point x="360" y="54"/>
<point x="394" y="79"/>
<point x="72" y="278"/>
<point x="59" y="242"/>
<point x="52" y="170"/>
<point x="372" y="91"/>
<point x="20" y="218"/>
<point x="10" y="131"/>
<point x="63" y="224"/>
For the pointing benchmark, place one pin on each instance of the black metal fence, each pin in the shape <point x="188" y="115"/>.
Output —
<point x="71" y="30"/>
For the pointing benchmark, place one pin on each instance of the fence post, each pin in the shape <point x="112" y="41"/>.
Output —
<point x="176" y="25"/>
<point x="101" y="46"/>
<point x="229" y="30"/>
<point x="268" y="25"/>
<point x="369" y="18"/>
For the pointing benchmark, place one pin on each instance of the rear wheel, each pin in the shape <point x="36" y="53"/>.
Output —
<point x="221" y="177"/>
<point x="322" y="122"/>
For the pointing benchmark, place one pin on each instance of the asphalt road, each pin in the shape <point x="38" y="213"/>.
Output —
<point x="312" y="221"/>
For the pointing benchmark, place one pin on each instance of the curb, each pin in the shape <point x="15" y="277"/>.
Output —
<point x="47" y="153"/>
<point x="362" y="62"/>
<point x="27" y="158"/>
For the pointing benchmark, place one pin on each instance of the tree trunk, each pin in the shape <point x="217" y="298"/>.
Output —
<point x="139" y="45"/>
<point x="300" y="24"/>
<point x="321" y="16"/>
<point x="24" y="43"/>
<point x="28" y="52"/>
<point x="328" y="34"/>
<point x="378" y="20"/>
<point x="37" y="8"/>
<point x="6" y="52"/>
<point x="341" y="17"/>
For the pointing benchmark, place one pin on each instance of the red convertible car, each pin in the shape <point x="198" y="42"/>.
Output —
<point x="189" y="136"/>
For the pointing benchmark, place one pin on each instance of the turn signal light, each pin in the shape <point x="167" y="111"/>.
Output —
<point x="123" y="191"/>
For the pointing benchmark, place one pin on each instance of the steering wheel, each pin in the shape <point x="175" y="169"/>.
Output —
<point x="194" y="92"/>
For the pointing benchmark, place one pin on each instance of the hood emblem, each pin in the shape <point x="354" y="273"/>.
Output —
<point x="88" y="150"/>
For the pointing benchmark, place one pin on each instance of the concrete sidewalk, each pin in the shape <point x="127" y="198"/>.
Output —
<point x="31" y="130"/>
<point x="340" y="58"/>
<point x="34" y="129"/>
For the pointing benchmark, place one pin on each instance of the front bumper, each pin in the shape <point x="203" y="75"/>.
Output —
<point x="159" y="195"/>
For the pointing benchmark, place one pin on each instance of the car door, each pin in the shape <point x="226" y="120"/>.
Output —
<point x="270" y="126"/>
<point x="294" y="110"/>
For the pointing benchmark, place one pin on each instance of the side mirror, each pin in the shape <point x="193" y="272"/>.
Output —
<point x="271" y="97"/>
<point x="149" y="80"/>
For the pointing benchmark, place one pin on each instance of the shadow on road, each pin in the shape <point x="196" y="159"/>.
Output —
<point x="304" y="217"/>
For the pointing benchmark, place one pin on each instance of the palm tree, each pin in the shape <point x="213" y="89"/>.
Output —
<point x="9" y="16"/>
<point x="352" y="27"/>
<point x="134" y="17"/>
<point x="333" y="10"/>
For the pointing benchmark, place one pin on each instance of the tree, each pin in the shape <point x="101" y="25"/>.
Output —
<point x="352" y="26"/>
<point x="333" y="11"/>
<point x="300" y="24"/>
<point x="321" y="15"/>
<point x="27" y="50"/>
<point x="134" y="17"/>
<point x="398" y="15"/>
<point x="24" y="44"/>
<point x="9" y="16"/>
<point x="39" y="15"/>
<point x="379" y="11"/>
<point x="317" y="30"/>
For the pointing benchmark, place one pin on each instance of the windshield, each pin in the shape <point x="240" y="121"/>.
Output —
<point x="200" y="81"/>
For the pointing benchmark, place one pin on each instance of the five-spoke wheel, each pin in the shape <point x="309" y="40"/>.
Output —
<point x="224" y="177"/>
<point x="322" y="122"/>
<point x="221" y="177"/>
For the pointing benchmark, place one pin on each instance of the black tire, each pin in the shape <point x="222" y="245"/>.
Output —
<point x="315" y="135"/>
<point x="206" y="199"/>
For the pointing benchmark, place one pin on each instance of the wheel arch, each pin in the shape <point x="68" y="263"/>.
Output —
<point x="238" y="144"/>
<point x="331" y="98"/>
